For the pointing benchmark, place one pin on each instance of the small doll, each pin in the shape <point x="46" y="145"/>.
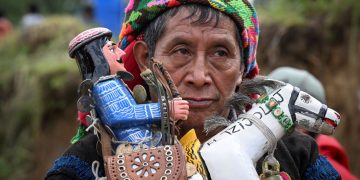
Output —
<point x="104" y="91"/>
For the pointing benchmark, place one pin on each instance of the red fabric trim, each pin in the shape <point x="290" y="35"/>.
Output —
<point x="81" y="116"/>
<point x="253" y="73"/>
<point x="131" y="66"/>
<point x="330" y="147"/>
<point x="335" y="154"/>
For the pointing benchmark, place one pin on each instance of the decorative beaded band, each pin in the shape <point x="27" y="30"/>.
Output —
<point x="273" y="105"/>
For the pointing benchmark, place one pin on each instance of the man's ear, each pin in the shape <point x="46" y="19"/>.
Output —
<point x="141" y="53"/>
<point x="241" y="75"/>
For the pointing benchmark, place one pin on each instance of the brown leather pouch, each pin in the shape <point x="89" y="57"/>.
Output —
<point x="163" y="162"/>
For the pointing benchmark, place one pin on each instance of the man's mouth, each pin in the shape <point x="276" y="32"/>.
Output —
<point x="199" y="103"/>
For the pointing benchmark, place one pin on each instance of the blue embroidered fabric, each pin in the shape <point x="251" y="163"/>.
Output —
<point x="81" y="169"/>
<point x="321" y="169"/>
<point x="118" y="110"/>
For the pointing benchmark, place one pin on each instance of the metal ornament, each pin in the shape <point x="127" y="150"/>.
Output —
<point x="140" y="94"/>
<point x="125" y="75"/>
<point x="270" y="169"/>
<point x="85" y="103"/>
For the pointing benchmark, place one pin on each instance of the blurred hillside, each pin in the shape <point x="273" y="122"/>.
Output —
<point x="38" y="85"/>
<point x="322" y="37"/>
<point x="38" y="81"/>
<point x="15" y="9"/>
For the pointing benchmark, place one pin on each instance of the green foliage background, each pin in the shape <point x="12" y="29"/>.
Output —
<point x="15" y="9"/>
<point x="35" y="69"/>
<point x="300" y="12"/>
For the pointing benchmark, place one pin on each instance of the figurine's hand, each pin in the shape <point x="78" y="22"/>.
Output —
<point x="179" y="109"/>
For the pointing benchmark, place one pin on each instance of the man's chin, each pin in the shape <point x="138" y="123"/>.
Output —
<point x="185" y="127"/>
<point x="199" y="130"/>
<point x="197" y="124"/>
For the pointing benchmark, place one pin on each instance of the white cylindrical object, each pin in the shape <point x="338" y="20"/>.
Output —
<point x="233" y="152"/>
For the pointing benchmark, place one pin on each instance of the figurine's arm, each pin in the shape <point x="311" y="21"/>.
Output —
<point x="118" y="109"/>
<point x="179" y="109"/>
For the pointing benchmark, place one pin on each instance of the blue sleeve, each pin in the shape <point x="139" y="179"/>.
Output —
<point x="321" y="169"/>
<point x="72" y="167"/>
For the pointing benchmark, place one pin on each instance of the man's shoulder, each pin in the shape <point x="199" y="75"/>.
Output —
<point x="299" y="156"/>
<point x="301" y="144"/>
<point x="302" y="149"/>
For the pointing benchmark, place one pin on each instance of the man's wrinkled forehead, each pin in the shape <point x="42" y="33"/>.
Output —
<point x="196" y="15"/>
<point x="187" y="15"/>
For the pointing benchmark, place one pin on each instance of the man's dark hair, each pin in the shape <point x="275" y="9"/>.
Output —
<point x="205" y="15"/>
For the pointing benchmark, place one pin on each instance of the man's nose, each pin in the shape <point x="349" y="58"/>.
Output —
<point x="199" y="72"/>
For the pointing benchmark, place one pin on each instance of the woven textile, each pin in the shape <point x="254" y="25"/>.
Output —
<point x="139" y="13"/>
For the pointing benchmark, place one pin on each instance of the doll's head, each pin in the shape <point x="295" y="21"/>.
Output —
<point x="95" y="54"/>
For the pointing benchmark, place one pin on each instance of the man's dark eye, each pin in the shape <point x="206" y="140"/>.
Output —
<point x="182" y="51"/>
<point x="220" y="53"/>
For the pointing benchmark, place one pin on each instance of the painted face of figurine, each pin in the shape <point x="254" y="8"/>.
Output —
<point x="204" y="62"/>
<point x="113" y="56"/>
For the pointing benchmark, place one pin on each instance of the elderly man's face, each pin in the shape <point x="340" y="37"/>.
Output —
<point x="204" y="62"/>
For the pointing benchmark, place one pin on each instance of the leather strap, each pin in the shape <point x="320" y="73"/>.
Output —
<point x="105" y="141"/>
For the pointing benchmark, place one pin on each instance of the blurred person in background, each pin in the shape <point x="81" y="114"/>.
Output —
<point x="33" y="17"/>
<point x="88" y="14"/>
<point x="5" y="25"/>
<point x="328" y="146"/>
